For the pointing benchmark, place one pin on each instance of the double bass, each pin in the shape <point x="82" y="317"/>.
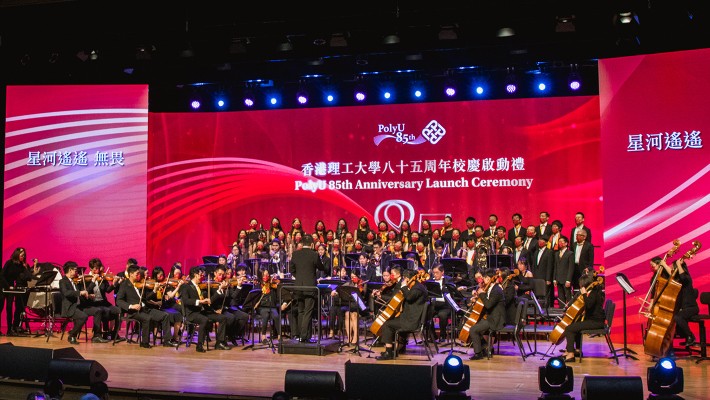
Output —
<point x="574" y="312"/>
<point x="661" y="324"/>
<point x="395" y="304"/>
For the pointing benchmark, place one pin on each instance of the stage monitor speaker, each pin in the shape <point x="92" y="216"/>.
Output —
<point x="612" y="388"/>
<point x="77" y="372"/>
<point x="31" y="363"/>
<point x="318" y="384"/>
<point x="389" y="381"/>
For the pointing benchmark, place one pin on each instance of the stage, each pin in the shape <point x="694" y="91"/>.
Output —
<point x="134" y="372"/>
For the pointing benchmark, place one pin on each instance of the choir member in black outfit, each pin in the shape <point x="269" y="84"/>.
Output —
<point x="564" y="270"/>
<point x="130" y="300"/>
<point x="414" y="303"/>
<point x="593" y="315"/>
<point x="72" y="296"/>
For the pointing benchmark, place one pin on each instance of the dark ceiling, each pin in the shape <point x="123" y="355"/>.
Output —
<point x="46" y="41"/>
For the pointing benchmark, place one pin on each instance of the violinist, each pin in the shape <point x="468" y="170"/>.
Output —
<point x="235" y="319"/>
<point x="198" y="309"/>
<point x="491" y="294"/>
<point x="72" y="296"/>
<point x="593" y="315"/>
<point x="352" y="311"/>
<point x="101" y="285"/>
<point x="165" y="296"/>
<point x="131" y="301"/>
<point x="509" y="285"/>
<point x="336" y="311"/>
<point x="176" y="271"/>
<point x="687" y="299"/>
<point x="268" y="305"/>
<point x="384" y="295"/>
<point x="415" y="302"/>
<point x="523" y="282"/>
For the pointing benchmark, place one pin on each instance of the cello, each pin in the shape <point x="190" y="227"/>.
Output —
<point x="661" y="328"/>
<point x="395" y="304"/>
<point x="478" y="307"/>
<point x="572" y="314"/>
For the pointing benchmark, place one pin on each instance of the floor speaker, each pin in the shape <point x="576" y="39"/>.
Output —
<point x="302" y="383"/>
<point x="77" y="372"/>
<point x="612" y="388"/>
<point x="31" y="363"/>
<point x="389" y="381"/>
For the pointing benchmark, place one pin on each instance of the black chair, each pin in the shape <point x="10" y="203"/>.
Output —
<point x="514" y="330"/>
<point x="700" y="320"/>
<point x="191" y="328"/>
<point x="423" y="329"/>
<point x="609" y="308"/>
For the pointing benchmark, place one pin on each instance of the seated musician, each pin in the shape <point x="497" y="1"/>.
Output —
<point x="688" y="302"/>
<point x="164" y="296"/>
<point x="131" y="301"/>
<point x="72" y="298"/>
<point x="268" y="305"/>
<point x="593" y="315"/>
<point x="509" y="285"/>
<point x="336" y="311"/>
<point x="493" y="300"/>
<point x="381" y="297"/>
<point x="198" y="309"/>
<point x="235" y="319"/>
<point x="523" y="282"/>
<point x="441" y="309"/>
<point x="100" y="288"/>
<point x="235" y="301"/>
<point x="414" y="303"/>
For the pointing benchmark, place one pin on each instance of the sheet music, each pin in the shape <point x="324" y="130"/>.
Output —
<point x="450" y="301"/>
<point x="359" y="301"/>
<point x="621" y="278"/>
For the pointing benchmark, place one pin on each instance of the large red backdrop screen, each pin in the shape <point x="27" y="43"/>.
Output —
<point x="75" y="173"/>
<point x="209" y="173"/>
<point x="656" y="167"/>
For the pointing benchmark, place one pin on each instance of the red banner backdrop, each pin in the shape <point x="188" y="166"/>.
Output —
<point x="656" y="168"/>
<point x="210" y="173"/>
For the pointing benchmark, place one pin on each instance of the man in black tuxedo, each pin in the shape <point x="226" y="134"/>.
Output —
<point x="494" y="306"/>
<point x="199" y="310"/>
<point x="100" y="287"/>
<point x="583" y="255"/>
<point x="564" y="271"/>
<point x="304" y="266"/>
<point x="130" y="301"/>
<point x="72" y="298"/>
<point x="413" y="305"/>
<point x="441" y="309"/>
<point x="543" y="266"/>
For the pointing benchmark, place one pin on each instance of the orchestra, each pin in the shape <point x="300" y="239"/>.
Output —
<point x="498" y="268"/>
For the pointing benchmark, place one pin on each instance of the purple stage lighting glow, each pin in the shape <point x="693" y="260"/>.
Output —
<point x="450" y="91"/>
<point x="302" y="99"/>
<point x="359" y="96"/>
<point x="195" y="104"/>
<point x="479" y="90"/>
<point x="511" y="88"/>
<point x="575" y="84"/>
<point x="248" y="102"/>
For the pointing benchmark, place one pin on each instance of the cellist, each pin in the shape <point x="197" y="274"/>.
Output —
<point x="494" y="304"/>
<point x="688" y="301"/>
<point x="593" y="315"/>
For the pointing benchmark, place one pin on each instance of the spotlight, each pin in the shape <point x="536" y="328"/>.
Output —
<point x="541" y="86"/>
<point x="417" y="93"/>
<point x="575" y="82"/>
<point x="453" y="378"/>
<point x="449" y="88"/>
<point x="555" y="379"/>
<point x="248" y="98"/>
<point x="511" y="85"/>
<point x="511" y="88"/>
<point x="664" y="380"/>
<point x="273" y="101"/>
<point x="302" y="97"/>
<point x="387" y="95"/>
<point x="221" y="103"/>
<point x="330" y="98"/>
<point x="360" y="95"/>
<point x="479" y="90"/>
<point x="195" y="104"/>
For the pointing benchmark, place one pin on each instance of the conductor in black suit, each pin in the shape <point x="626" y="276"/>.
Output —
<point x="494" y="305"/>
<point x="71" y="298"/>
<point x="304" y="265"/>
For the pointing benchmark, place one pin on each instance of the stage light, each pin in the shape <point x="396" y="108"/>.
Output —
<point x="273" y="101"/>
<point x="664" y="380"/>
<point x="417" y="93"/>
<point x="541" y="86"/>
<point x="575" y="82"/>
<point x="449" y="89"/>
<point x="479" y="90"/>
<point x="360" y="95"/>
<point x="302" y="97"/>
<point x="511" y="88"/>
<point x="329" y="98"/>
<point x="195" y="104"/>
<point x="555" y="379"/>
<point x="221" y="103"/>
<point x="511" y="85"/>
<point x="387" y="95"/>
<point x="453" y="378"/>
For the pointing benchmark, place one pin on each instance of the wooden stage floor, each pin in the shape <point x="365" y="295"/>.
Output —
<point x="258" y="374"/>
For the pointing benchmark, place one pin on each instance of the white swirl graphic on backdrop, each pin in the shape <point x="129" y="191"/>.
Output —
<point x="403" y="211"/>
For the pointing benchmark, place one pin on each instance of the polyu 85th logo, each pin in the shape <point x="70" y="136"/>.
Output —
<point x="432" y="133"/>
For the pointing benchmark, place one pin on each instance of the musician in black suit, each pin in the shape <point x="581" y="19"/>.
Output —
<point x="543" y="267"/>
<point x="413" y="305"/>
<point x="304" y="265"/>
<point x="199" y="310"/>
<point x="17" y="273"/>
<point x="71" y="301"/>
<point x="593" y="315"/>
<point x="564" y="271"/>
<point x="129" y="299"/>
<point x="494" y="305"/>
<point x="441" y="309"/>
<point x="101" y="287"/>
<point x="583" y="255"/>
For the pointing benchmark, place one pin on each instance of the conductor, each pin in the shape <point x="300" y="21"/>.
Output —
<point x="304" y="264"/>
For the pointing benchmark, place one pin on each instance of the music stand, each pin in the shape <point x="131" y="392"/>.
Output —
<point x="250" y="304"/>
<point x="254" y="264"/>
<point x="240" y="298"/>
<point x="500" y="261"/>
<point x="352" y="294"/>
<point x="351" y="259"/>
<point x="43" y="284"/>
<point x="626" y="289"/>
<point x="453" y="266"/>
<point x="410" y="255"/>
<point x="538" y="312"/>
<point x="403" y="263"/>
<point x="435" y="291"/>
